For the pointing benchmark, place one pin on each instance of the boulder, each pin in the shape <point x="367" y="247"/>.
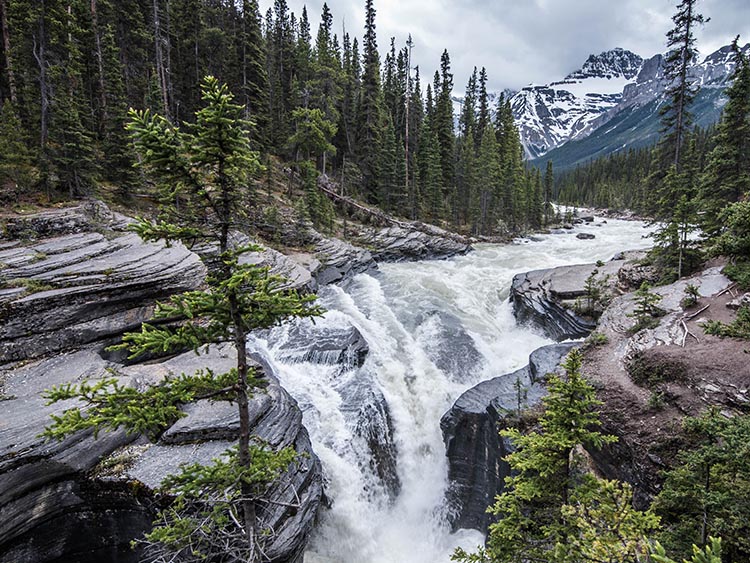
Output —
<point x="419" y="242"/>
<point x="340" y="260"/>
<point x="547" y="298"/>
<point x="741" y="301"/>
<point x="474" y="448"/>
<point x="585" y="236"/>
<point x="333" y="341"/>
<point x="324" y="343"/>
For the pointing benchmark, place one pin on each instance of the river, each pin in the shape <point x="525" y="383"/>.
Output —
<point x="434" y="329"/>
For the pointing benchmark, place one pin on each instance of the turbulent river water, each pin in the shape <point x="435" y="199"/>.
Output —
<point x="434" y="329"/>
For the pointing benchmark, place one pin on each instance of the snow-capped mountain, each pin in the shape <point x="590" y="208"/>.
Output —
<point x="613" y="84"/>
<point x="635" y="121"/>
<point x="550" y="115"/>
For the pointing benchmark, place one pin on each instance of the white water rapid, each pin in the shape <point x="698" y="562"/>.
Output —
<point x="434" y="329"/>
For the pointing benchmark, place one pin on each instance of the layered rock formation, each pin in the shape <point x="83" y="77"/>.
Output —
<point x="547" y="298"/>
<point x="475" y="450"/>
<point x="412" y="242"/>
<point x="51" y="491"/>
<point x="75" y="280"/>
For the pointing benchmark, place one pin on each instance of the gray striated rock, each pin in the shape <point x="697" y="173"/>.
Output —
<point x="418" y="242"/>
<point x="475" y="450"/>
<point x="44" y="497"/>
<point x="89" y="216"/>
<point x="546" y="298"/>
<point x="79" y="288"/>
<point x="585" y="236"/>
<point x="297" y="276"/>
<point x="339" y="260"/>
<point x="47" y="492"/>
<point x="325" y="344"/>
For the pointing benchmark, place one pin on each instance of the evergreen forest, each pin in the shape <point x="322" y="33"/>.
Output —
<point x="320" y="100"/>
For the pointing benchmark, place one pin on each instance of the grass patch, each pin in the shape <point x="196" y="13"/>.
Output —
<point x="596" y="339"/>
<point x="740" y="328"/>
<point x="30" y="285"/>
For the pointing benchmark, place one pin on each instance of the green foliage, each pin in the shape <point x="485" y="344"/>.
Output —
<point x="739" y="272"/>
<point x="727" y="174"/>
<point x="29" y="284"/>
<point x="692" y="294"/>
<point x="646" y="311"/>
<point x="597" y="339"/>
<point x="313" y="133"/>
<point x="734" y="240"/>
<point x="709" y="554"/>
<point x="706" y="493"/>
<point x="17" y="172"/>
<point x="204" y="517"/>
<point x="549" y="511"/>
<point x="597" y="295"/>
<point x="604" y="526"/>
<point x="108" y="405"/>
<point x="739" y="328"/>
<point x="656" y="400"/>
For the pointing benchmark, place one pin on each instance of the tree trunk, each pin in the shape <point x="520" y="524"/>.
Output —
<point x="6" y="49"/>
<point x="100" y="66"/>
<point x="44" y="110"/>
<point x="159" y="54"/>
<point x="248" y="507"/>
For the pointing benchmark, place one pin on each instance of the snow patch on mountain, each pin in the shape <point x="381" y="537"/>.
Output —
<point x="550" y="115"/>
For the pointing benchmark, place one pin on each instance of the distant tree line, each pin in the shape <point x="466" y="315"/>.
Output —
<point x="70" y="69"/>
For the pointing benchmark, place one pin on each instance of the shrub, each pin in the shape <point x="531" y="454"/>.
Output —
<point x="649" y="370"/>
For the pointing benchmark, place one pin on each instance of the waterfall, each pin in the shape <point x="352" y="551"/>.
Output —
<point x="376" y="373"/>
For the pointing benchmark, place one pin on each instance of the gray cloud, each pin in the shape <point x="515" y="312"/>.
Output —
<point x="528" y="41"/>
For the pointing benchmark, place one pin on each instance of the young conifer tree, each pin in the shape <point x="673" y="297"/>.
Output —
<point x="551" y="510"/>
<point x="204" y="172"/>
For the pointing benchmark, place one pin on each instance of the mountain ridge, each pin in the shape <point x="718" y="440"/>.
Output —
<point x="614" y="83"/>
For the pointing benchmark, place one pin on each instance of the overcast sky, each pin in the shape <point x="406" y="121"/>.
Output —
<point x="526" y="41"/>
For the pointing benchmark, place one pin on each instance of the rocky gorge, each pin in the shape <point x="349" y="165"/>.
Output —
<point x="358" y="392"/>
<point x="73" y="281"/>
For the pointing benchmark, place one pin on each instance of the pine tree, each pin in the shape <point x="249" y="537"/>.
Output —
<point x="548" y="510"/>
<point x="203" y="172"/>
<point x="252" y="56"/>
<point x="370" y="109"/>
<point x="549" y="182"/>
<point x="727" y="175"/>
<point x="17" y="173"/>
<point x="706" y="493"/>
<point x="489" y="179"/>
<point x="467" y="119"/>
<point x="676" y="117"/>
<point x="483" y="112"/>
<point x="443" y="121"/>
